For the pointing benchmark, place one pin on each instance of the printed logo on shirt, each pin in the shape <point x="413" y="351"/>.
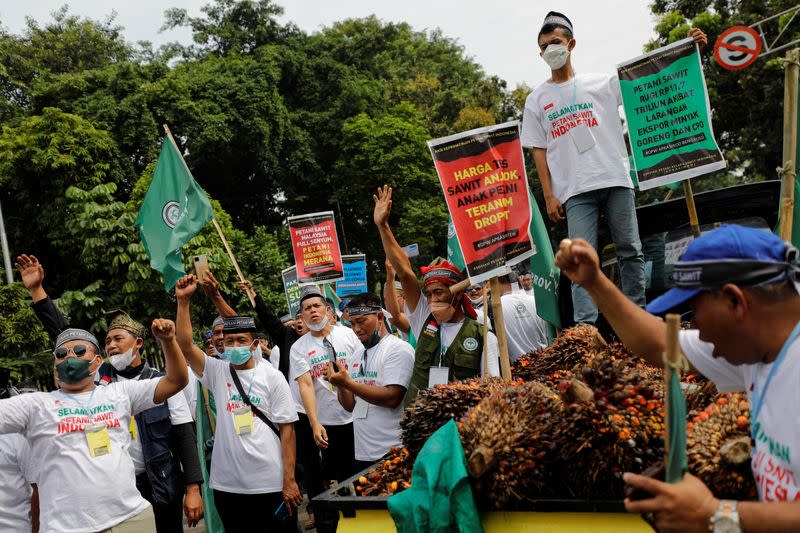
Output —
<point x="319" y="364"/>
<point x="235" y="399"/>
<point x="774" y="479"/>
<point x="522" y="311"/>
<point x="548" y="106"/>
<point x="470" y="344"/>
<point x="74" y="419"/>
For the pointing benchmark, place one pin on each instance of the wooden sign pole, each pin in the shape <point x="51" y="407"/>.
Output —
<point x="500" y="329"/>
<point x="788" y="170"/>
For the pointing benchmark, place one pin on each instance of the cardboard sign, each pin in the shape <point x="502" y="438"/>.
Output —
<point x="316" y="248"/>
<point x="291" y="289"/>
<point x="355" y="276"/>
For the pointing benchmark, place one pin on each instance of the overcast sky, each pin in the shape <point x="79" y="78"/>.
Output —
<point x="500" y="35"/>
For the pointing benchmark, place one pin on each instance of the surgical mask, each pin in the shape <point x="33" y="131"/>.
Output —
<point x="121" y="361"/>
<point x="73" y="370"/>
<point x="320" y="325"/>
<point x="476" y="301"/>
<point x="555" y="55"/>
<point x="442" y="311"/>
<point x="237" y="355"/>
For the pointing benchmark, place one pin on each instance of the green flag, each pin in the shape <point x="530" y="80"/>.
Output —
<point x="174" y="210"/>
<point x="676" y="419"/>
<point x="543" y="268"/>
<point x="454" y="255"/>
<point x="205" y="438"/>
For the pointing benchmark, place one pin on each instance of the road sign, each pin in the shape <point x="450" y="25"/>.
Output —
<point x="737" y="47"/>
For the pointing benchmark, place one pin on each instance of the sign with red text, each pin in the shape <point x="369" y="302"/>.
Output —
<point x="482" y="172"/>
<point x="316" y="248"/>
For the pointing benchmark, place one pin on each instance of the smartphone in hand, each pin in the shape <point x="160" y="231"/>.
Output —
<point x="200" y="266"/>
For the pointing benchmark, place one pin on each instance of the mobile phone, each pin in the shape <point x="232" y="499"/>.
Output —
<point x="201" y="266"/>
<point x="656" y="471"/>
<point x="281" y="513"/>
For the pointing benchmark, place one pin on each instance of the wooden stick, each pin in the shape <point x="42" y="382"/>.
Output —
<point x="209" y="411"/>
<point x="500" y="329"/>
<point x="460" y="286"/>
<point x="673" y="354"/>
<point x="485" y="331"/>
<point x="693" y="221"/>
<point x="789" y="167"/>
<point x="250" y="293"/>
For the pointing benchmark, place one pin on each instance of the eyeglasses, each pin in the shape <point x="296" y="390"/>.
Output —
<point x="79" y="350"/>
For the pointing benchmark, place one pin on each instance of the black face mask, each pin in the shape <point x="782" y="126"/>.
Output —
<point x="73" y="370"/>
<point x="374" y="339"/>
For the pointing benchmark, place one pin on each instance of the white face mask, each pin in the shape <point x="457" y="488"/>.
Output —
<point x="555" y="55"/>
<point x="121" y="361"/>
<point x="319" y="326"/>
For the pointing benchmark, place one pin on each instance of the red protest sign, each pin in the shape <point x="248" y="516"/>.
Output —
<point x="482" y="173"/>
<point x="316" y="248"/>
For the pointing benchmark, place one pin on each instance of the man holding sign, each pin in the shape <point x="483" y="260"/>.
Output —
<point x="449" y="339"/>
<point x="572" y="124"/>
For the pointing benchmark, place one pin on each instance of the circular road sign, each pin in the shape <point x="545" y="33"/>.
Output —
<point x="737" y="47"/>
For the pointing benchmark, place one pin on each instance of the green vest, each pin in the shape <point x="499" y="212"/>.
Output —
<point x="463" y="356"/>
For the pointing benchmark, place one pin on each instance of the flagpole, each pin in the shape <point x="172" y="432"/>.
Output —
<point x="219" y="231"/>
<point x="694" y="222"/>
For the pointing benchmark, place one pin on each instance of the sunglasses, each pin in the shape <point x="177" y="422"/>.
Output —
<point x="79" y="350"/>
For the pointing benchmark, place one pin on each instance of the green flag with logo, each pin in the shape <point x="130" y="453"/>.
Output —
<point x="543" y="268"/>
<point x="454" y="255"/>
<point x="205" y="443"/>
<point x="174" y="210"/>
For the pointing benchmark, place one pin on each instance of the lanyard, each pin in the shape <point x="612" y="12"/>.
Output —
<point x="250" y="388"/>
<point x="83" y="406"/>
<point x="574" y="91"/>
<point x="757" y="398"/>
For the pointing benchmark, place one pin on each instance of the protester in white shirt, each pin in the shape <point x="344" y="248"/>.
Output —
<point x="374" y="385"/>
<point x="741" y="284"/>
<point x="79" y="435"/>
<point x="252" y="467"/>
<point x="525" y="330"/>
<point x="395" y="302"/>
<point x="17" y="475"/>
<point x="526" y="283"/>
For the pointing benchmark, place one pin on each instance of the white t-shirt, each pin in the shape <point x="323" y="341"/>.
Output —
<point x="448" y="332"/>
<point x="190" y="395"/>
<point x="79" y="493"/>
<point x="377" y="429"/>
<point x="251" y="463"/>
<point x="525" y="330"/>
<point x="776" y="457"/>
<point x="275" y="359"/>
<point x="178" y="414"/>
<point x="310" y="355"/>
<point x="588" y="100"/>
<point x="16" y="477"/>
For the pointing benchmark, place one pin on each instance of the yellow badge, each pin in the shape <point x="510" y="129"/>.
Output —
<point x="243" y="420"/>
<point x="97" y="439"/>
<point x="132" y="429"/>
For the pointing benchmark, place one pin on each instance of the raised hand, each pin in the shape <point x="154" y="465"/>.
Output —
<point x="579" y="261"/>
<point x="163" y="329"/>
<point x="383" y="205"/>
<point x="31" y="271"/>
<point x="210" y="284"/>
<point x="185" y="287"/>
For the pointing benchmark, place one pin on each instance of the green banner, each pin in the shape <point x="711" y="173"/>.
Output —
<point x="205" y="440"/>
<point x="668" y="115"/>
<point x="454" y="255"/>
<point x="543" y="268"/>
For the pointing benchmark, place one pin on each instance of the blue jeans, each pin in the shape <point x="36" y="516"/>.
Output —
<point x="583" y="215"/>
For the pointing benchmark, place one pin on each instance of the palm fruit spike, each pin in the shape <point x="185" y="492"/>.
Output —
<point x="435" y="406"/>
<point x="718" y="447"/>
<point x="506" y="445"/>
<point x="574" y="346"/>
<point x="618" y="428"/>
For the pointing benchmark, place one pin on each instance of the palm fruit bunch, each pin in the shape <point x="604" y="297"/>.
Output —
<point x="435" y="406"/>
<point x="699" y="395"/>
<point x="574" y="346"/>
<point x="613" y="422"/>
<point x="718" y="447"/>
<point x="506" y="443"/>
<point x="392" y="475"/>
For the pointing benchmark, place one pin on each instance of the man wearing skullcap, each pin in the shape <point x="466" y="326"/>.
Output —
<point x="166" y="430"/>
<point x="449" y="339"/>
<point x="252" y="467"/>
<point x="79" y="435"/>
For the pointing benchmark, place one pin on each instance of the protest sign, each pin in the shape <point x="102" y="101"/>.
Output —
<point x="291" y="289"/>
<point x="316" y="248"/>
<point x="482" y="173"/>
<point x="355" y="275"/>
<point x="668" y="114"/>
<point x="412" y="250"/>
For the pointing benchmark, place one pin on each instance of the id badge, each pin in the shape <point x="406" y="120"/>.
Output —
<point x="132" y="428"/>
<point x="361" y="409"/>
<point x="438" y="376"/>
<point x="97" y="439"/>
<point x="243" y="420"/>
<point x="582" y="137"/>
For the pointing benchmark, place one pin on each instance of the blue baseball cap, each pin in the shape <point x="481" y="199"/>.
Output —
<point x="726" y="250"/>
